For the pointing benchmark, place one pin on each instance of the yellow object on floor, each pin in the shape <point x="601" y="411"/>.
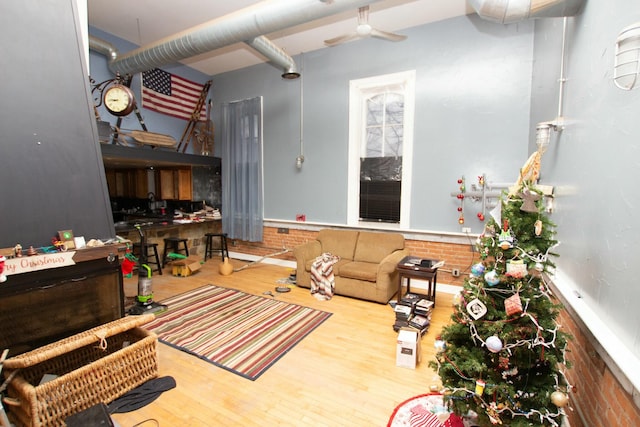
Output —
<point x="185" y="267"/>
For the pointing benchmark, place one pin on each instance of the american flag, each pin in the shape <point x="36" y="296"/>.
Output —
<point x="172" y="95"/>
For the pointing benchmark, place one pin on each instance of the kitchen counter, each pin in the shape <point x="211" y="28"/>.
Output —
<point x="157" y="229"/>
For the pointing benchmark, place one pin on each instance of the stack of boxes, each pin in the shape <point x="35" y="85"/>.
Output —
<point x="413" y="311"/>
<point x="413" y="316"/>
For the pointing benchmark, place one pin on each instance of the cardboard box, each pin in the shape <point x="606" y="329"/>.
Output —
<point x="408" y="348"/>
<point x="185" y="267"/>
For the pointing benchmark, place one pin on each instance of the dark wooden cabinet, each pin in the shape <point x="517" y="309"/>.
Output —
<point x="41" y="307"/>
<point x="174" y="184"/>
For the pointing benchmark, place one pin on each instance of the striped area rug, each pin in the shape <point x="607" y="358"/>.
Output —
<point x="239" y="332"/>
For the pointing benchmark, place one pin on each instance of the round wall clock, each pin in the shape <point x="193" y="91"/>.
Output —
<point x="119" y="100"/>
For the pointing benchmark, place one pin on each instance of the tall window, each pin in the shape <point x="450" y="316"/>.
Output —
<point x="380" y="146"/>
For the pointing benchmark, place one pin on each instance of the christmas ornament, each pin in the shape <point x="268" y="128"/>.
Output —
<point x="480" y="216"/>
<point x="476" y="309"/>
<point x="529" y="200"/>
<point x="503" y="362"/>
<point x="460" y="197"/>
<point x="537" y="227"/>
<point x="492" y="278"/>
<point x="457" y="298"/>
<point x="493" y="415"/>
<point x="539" y="267"/>
<point x="510" y="372"/>
<point x="496" y="213"/>
<point x="513" y="305"/>
<point x="494" y="344"/>
<point x="489" y="231"/>
<point x="505" y="239"/>
<point x="439" y="344"/>
<point x="477" y="270"/>
<point x="516" y="268"/>
<point x="559" y="399"/>
<point x="480" y="387"/>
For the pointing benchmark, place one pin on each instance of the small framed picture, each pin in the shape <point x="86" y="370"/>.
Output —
<point x="66" y="236"/>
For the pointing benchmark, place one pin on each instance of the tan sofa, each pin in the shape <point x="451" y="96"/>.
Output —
<point x="367" y="266"/>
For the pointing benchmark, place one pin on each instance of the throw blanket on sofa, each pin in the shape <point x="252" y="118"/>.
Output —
<point x="322" y="279"/>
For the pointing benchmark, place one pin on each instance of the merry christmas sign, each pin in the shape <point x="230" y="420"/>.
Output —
<point x="27" y="264"/>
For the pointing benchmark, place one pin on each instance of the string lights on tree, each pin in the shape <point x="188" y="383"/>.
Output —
<point x="502" y="359"/>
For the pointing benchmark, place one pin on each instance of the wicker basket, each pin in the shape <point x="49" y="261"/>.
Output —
<point x="98" y="365"/>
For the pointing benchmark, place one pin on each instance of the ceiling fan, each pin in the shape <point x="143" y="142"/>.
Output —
<point x="364" y="30"/>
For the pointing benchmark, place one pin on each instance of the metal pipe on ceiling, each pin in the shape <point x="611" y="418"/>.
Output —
<point x="248" y="25"/>
<point x="510" y="11"/>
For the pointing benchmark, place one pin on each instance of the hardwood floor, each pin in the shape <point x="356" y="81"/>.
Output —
<point x="342" y="374"/>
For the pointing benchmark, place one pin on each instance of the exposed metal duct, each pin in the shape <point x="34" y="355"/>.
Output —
<point x="103" y="47"/>
<point x="248" y="25"/>
<point x="276" y="55"/>
<point x="509" y="11"/>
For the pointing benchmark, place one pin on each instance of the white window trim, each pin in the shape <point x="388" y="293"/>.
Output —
<point x="357" y="91"/>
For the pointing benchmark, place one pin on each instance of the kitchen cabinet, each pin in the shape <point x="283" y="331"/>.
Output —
<point x="131" y="183"/>
<point x="111" y="182"/>
<point x="175" y="184"/>
<point x="184" y="184"/>
<point x="141" y="183"/>
<point x="165" y="184"/>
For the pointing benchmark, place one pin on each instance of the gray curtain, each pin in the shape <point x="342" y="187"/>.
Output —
<point x="242" y="195"/>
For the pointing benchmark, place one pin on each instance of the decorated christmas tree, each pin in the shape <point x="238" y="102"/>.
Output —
<point x="502" y="359"/>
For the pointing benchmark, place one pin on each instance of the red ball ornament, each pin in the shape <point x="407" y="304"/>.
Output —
<point x="459" y="181"/>
<point x="480" y="216"/>
<point x="459" y="208"/>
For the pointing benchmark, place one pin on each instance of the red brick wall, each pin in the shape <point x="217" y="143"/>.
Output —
<point x="460" y="256"/>
<point x="598" y="399"/>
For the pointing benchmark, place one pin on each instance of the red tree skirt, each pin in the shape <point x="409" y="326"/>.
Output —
<point x="425" y="410"/>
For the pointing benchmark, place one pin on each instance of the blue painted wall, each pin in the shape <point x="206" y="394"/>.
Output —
<point x="593" y="162"/>
<point x="473" y="94"/>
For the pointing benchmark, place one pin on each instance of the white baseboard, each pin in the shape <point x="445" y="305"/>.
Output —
<point x="267" y="260"/>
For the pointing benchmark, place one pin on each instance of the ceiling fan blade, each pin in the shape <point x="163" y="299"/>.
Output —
<point x="387" y="36"/>
<point x="341" y="39"/>
<point x="363" y="15"/>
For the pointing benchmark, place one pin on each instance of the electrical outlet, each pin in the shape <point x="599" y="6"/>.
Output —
<point x="466" y="229"/>
<point x="455" y="272"/>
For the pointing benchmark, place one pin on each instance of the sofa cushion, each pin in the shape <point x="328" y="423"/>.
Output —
<point x="359" y="270"/>
<point x="374" y="247"/>
<point x="338" y="242"/>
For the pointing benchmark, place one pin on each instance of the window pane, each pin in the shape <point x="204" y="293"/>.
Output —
<point x="375" y="108"/>
<point x="393" y="140"/>
<point x="394" y="109"/>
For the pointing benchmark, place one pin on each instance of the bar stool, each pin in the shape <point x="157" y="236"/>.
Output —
<point x="209" y="249"/>
<point x="172" y="244"/>
<point x="150" y="252"/>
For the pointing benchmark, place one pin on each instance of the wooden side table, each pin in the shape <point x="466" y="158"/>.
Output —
<point x="410" y="268"/>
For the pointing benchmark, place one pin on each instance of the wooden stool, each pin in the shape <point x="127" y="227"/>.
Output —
<point x="152" y="258"/>
<point x="172" y="244"/>
<point x="209" y="249"/>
